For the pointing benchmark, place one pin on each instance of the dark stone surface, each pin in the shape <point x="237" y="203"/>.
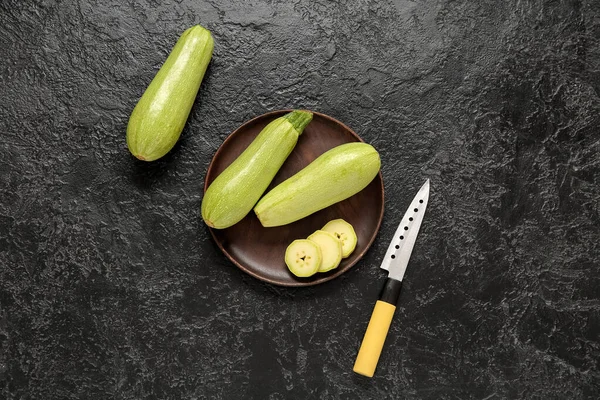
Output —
<point x="111" y="287"/>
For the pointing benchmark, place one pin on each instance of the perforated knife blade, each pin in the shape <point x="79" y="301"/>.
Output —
<point x="395" y="262"/>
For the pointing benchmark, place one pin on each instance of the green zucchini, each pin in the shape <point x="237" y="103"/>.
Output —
<point x="160" y="115"/>
<point x="231" y="196"/>
<point x="334" y="176"/>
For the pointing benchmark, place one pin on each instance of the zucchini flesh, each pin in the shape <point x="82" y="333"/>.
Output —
<point x="345" y="233"/>
<point x="303" y="257"/>
<point x="331" y="249"/>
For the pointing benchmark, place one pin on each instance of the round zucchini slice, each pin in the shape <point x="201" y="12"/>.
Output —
<point x="331" y="249"/>
<point x="344" y="232"/>
<point x="303" y="257"/>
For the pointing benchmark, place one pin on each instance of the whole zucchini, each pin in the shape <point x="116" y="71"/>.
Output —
<point x="334" y="176"/>
<point x="231" y="196"/>
<point x="160" y="115"/>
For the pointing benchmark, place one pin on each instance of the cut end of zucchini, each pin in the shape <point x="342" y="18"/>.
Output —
<point x="299" y="119"/>
<point x="331" y="249"/>
<point x="345" y="233"/>
<point x="303" y="257"/>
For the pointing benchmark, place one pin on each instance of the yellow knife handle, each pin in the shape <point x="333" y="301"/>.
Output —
<point x="379" y="324"/>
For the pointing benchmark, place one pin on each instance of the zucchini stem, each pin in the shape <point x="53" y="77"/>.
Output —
<point x="299" y="119"/>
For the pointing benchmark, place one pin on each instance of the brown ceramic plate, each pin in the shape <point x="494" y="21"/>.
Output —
<point x="260" y="251"/>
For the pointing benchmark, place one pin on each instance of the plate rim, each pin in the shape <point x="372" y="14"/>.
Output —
<point x="299" y="283"/>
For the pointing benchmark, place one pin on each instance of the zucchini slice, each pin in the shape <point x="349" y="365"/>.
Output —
<point x="331" y="249"/>
<point x="344" y="232"/>
<point x="303" y="257"/>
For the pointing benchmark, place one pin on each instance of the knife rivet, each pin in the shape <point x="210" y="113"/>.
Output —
<point x="421" y="201"/>
<point x="401" y="237"/>
<point x="406" y="228"/>
<point x="416" y="209"/>
<point x="397" y="246"/>
<point x="393" y="256"/>
<point x="410" y="219"/>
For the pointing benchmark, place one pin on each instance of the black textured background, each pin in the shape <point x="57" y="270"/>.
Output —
<point x="112" y="288"/>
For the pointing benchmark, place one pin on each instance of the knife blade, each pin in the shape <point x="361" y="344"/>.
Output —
<point x="395" y="262"/>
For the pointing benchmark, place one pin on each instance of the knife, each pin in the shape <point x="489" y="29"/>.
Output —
<point x="395" y="262"/>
